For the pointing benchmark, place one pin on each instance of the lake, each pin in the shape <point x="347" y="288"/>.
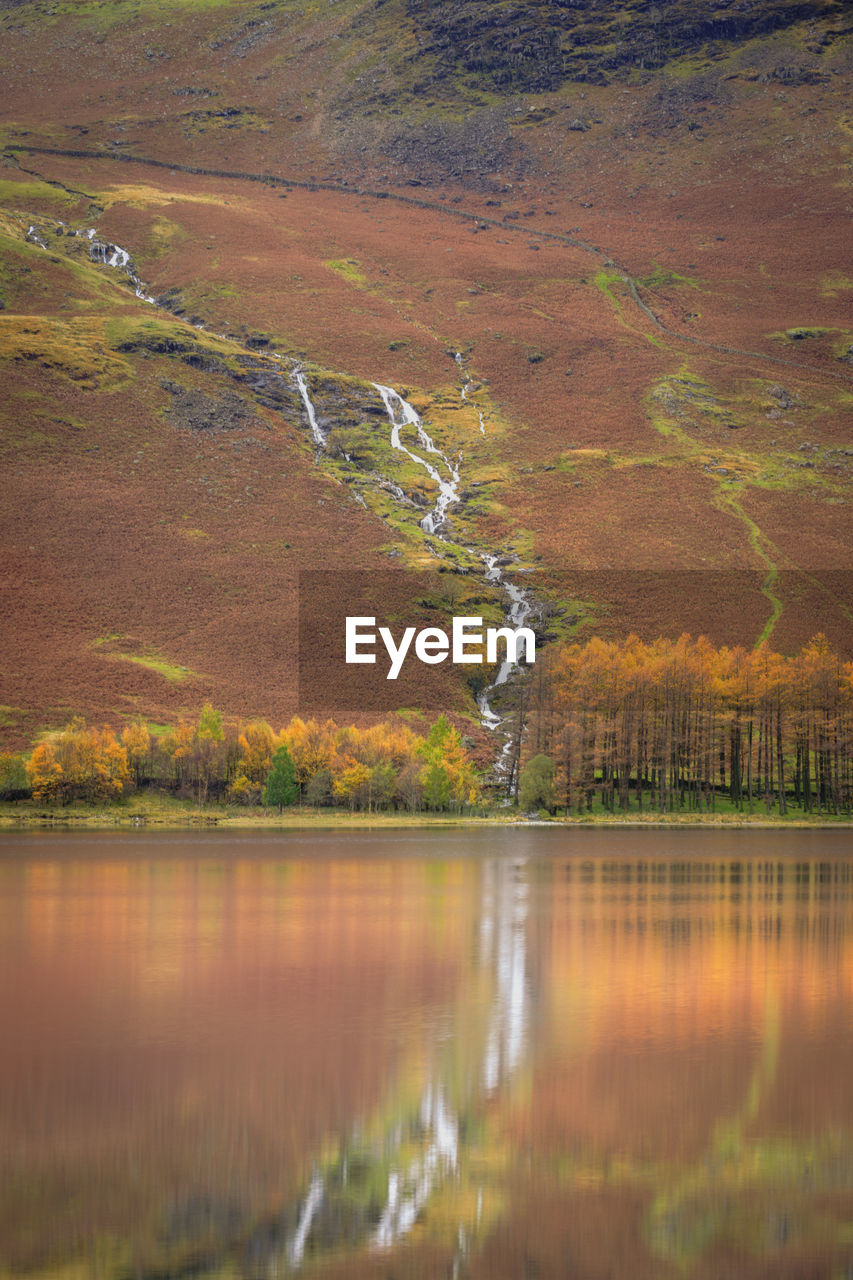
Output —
<point x="479" y="1053"/>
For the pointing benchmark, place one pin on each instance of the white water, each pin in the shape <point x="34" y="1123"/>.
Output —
<point x="466" y="379"/>
<point x="520" y="608"/>
<point x="102" y="252"/>
<point x="313" y="1200"/>
<point x="112" y="255"/>
<point x="503" y="945"/>
<point x="319" y="438"/>
<point x="33" y="235"/>
<point x="402" y="414"/>
<point x="465" y="375"/>
<point x="518" y="613"/>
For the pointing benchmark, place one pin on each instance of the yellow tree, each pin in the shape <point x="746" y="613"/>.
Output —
<point x="79" y="764"/>
<point x="45" y="774"/>
<point x="312" y="747"/>
<point x="178" y="747"/>
<point x="255" y="746"/>
<point x="352" y="783"/>
<point x="136" y="741"/>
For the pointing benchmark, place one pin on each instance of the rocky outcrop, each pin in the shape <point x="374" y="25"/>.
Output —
<point x="470" y="149"/>
<point x="522" y="45"/>
<point x="192" y="410"/>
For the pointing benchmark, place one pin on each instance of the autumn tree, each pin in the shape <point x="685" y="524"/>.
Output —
<point x="78" y="764"/>
<point x="352" y="784"/>
<point x="681" y="722"/>
<point x="312" y="747"/>
<point x="136" y="740"/>
<point x="255" y="745"/>
<point x="448" y="777"/>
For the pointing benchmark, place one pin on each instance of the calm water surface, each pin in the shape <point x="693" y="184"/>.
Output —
<point x="444" y="1054"/>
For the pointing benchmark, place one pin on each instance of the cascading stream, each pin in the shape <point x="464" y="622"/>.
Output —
<point x="34" y="237"/>
<point x="466" y="379"/>
<point x="401" y="414"/>
<point x="319" y="438"/>
<point x="519" y="611"/>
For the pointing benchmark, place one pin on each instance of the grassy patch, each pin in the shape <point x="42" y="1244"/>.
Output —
<point x="75" y="349"/>
<point x="835" y="283"/>
<point x="662" y="278"/>
<point x="801" y="333"/>
<point x="103" y="17"/>
<point x="164" y="236"/>
<point x="347" y="269"/>
<point x="170" y="812"/>
<point x="11" y="715"/>
<point x="727" y="499"/>
<point x="170" y="672"/>
<point x="118" y="648"/>
<point x="29" y="191"/>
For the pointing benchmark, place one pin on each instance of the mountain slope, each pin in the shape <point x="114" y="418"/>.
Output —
<point x="635" y="246"/>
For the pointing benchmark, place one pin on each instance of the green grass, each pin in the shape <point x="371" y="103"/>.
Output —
<point x="172" y="673"/>
<point x="348" y="270"/>
<point x="18" y="191"/>
<point x="169" y="670"/>
<point x="105" y="16"/>
<point x="606" y="281"/>
<point x="169" y="812"/>
<point x="73" y="348"/>
<point x="11" y="715"/>
<point x="757" y="540"/>
<point x="662" y="278"/>
<point x="801" y="333"/>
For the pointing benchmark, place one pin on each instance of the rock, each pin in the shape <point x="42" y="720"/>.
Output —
<point x="194" y="411"/>
<point x="783" y="398"/>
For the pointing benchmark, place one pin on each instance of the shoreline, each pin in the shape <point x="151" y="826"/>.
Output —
<point x="161" y="816"/>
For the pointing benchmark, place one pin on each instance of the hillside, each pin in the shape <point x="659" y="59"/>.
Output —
<point x="602" y="250"/>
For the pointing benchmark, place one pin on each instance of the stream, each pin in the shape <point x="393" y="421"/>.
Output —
<point x="420" y="448"/>
<point x="402" y="414"/>
<point x="102" y="252"/>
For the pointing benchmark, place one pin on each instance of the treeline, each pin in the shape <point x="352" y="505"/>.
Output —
<point x="386" y="766"/>
<point x="665" y="726"/>
<point x="682" y="725"/>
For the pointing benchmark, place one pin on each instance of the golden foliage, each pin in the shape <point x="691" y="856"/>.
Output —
<point x="78" y="764"/>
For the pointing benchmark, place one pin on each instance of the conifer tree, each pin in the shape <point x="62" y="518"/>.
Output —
<point x="281" y="787"/>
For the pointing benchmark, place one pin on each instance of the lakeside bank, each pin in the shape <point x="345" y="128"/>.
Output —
<point x="165" y="814"/>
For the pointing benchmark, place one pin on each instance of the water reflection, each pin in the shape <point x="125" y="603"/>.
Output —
<point x="527" y="1060"/>
<point x="408" y="1193"/>
<point x="504" y="951"/>
<point x="420" y="1150"/>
